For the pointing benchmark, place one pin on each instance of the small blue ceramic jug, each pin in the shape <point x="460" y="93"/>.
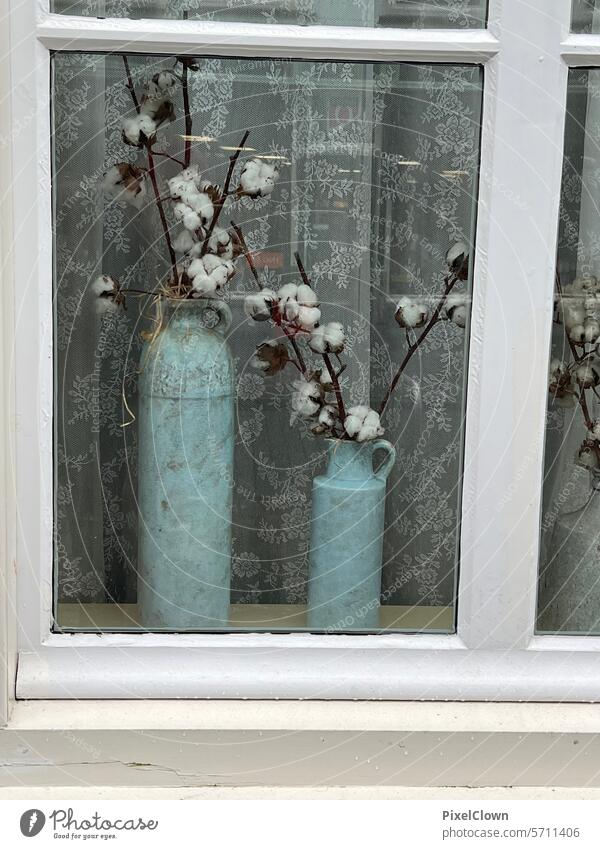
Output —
<point x="186" y="469"/>
<point x="348" y="512"/>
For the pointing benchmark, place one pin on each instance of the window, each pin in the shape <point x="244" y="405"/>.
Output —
<point x="377" y="169"/>
<point x="394" y="142"/>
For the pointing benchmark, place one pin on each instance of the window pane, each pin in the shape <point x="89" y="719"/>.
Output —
<point x="586" y="16"/>
<point x="186" y="452"/>
<point x="569" y="596"/>
<point x="368" y="13"/>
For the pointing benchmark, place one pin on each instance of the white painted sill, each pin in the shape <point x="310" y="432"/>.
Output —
<point x="232" y="715"/>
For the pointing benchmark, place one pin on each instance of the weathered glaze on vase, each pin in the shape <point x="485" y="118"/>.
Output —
<point x="185" y="469"/>
<point x="348" y="511"/>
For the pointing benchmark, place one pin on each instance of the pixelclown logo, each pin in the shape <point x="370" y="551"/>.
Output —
<point x="32" y="822"/>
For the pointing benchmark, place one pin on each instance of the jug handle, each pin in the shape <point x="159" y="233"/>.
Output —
<point x="386" y="467"/>
<point x="223" y="312"/>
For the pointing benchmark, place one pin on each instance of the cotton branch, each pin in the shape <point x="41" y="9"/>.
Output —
<point x="224" y="193"/>
<point x="450" y="282"/>
<point x="153" y="180"/>
<point x="326" y="358"/>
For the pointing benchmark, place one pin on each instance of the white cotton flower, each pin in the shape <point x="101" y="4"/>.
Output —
<point x="456" y="255"/>
<point x="308" y="317"/>
<point x="165" y="81"/>
<point x="306" y="399"/>
<point x="183" y="242"/>
<point x="456" y="308"/>
<point x="105" y="288"/>
<point x="327" y="338"/>
<point x="591" y="329"/>
<point x="201" y="203"/>
<point x="220" y="243"/>
<point x="586" y="283"/>
<point x="362" y="423"/>
<point x="209" y="274"/>
<point x="328" y="415"/>
<point x="410" y="313"/>
<point x="104" y="284"/>
<point x="176" y="186"/>
<point x="126" y="183"/>
<point x="587" y="375"/>
<point x="572" y="312"/>
<point x="306" y="296"/>
<point x="191" y="220"/>
<point x="577" y="333"/>
<point x="587" y="457"/>
<point x="137" y="130"/>
<point x="258" y="179"/>
<point x="191" y="174"/>
<point x="258" y="304"/>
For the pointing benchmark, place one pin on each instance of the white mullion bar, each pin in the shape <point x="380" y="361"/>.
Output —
<point x="522" y="151"/>
<point x="581" y="50"/>
<point x="62" y="32"/>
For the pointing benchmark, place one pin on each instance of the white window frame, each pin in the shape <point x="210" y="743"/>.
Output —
<point x="495" y="654"/>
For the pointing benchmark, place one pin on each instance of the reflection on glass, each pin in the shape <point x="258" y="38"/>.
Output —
<point x="369" y="13"/>
<point x="219" y="460"/>
<point x="569" y="593"/>
<point x="586" y="16"/>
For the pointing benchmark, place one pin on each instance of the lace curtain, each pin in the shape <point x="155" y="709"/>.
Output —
<point x="379" y="169"/>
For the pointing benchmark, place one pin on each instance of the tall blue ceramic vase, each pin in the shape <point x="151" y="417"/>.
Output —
<point x="348" y="511"/>
<point x="185" y="469"/>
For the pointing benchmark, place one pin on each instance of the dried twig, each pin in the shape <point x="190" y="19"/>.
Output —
<point x="225" y="192"/>
<point x="450" y="282"/>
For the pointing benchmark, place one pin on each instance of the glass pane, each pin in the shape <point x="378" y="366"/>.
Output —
<point x="586" y="16"/>
<point x="209" y="450"/>
<point x="569" y="592"/>
<point x="368" y="13"/>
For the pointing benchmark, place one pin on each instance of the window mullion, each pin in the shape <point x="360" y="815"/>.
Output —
<point x="522" y="146"/>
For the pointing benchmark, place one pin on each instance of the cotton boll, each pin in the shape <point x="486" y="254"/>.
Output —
<point x="577" y="334"/>
<point x="220" y="243"/>
<point x="183" y="242"/>
<point x="203" y="285"/>
<point x="289" y="290"/>
<point x="306" y="399"/>
<point x="456" y="308"/>
<point x="587" y="457"/>
<point x="596" y="430"/>
<point x="586" y="283"/>
<point x="191" y="220"/>
<point x="215" y="263"/>
<point x="587" y="375"/>
<point x="306" y="296"/>
<point x="457" y="259"/>
<point x="191" y="174"/>
<point x="355" y="418"/>
<point x="591" y="330"/>
<point x="165" y="81"/>
<point x="308" y="317"/>
<point x="104" y="284"/>
<point x="203" y="206"/>
<point x="257" y="179"/>
<point x="176" y="186"/>
<point x="328" y="415"/>
<point x="271" y="357"/>
<point x="363" y="423"/>
<point x="573" y="312"/>
<point x="409" y="313"/>
<point x="258" y="305"/>
<point x="327" y="338"/>
<point x="127" y="183"/>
